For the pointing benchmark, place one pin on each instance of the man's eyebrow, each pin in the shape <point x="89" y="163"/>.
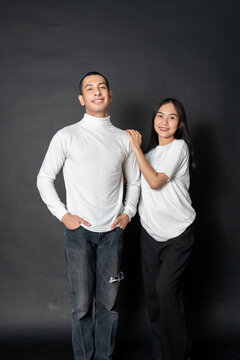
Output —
<point x="101" y="83"/>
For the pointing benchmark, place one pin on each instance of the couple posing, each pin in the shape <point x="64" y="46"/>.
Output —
<point x="94" y="155"/>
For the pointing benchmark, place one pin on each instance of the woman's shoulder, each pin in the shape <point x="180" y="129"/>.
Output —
<point x="176" y="146"/>
<point x="179" y="145"/>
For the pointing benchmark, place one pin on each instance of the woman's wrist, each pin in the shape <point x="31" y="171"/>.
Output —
<point x="137" y="149"/>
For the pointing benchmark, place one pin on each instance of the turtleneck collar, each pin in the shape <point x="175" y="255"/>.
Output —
<point x="96" y="122"/>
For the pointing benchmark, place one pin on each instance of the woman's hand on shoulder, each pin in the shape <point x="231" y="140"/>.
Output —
<point x="135" y="138"/>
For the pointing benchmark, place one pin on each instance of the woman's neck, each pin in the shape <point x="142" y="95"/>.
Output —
<point x="165" y="141"/>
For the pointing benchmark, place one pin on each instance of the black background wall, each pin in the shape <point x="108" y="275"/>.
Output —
<point x="148" y="50"/>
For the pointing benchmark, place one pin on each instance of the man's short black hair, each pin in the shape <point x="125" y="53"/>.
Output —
<point x="89" y="74"/>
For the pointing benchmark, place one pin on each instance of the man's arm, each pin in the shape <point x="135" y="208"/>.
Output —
<point x="132" y="176"/>
<point x="52" y="164"/>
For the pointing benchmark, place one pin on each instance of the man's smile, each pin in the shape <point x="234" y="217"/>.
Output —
<point x="98" y="101"/>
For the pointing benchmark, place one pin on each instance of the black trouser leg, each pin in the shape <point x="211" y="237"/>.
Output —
<point x="163" y="265"/>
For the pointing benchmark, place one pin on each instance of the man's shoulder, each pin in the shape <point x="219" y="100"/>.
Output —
<point x="69" y="128"/>
<point x="119" y="132"/>
<point x="122" y="137"/>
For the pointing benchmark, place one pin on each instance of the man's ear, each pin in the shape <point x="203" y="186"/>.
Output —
<point x="81" y="100"/>
<point x="110" y="95"/>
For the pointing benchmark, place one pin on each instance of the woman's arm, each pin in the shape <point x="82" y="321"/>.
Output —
<point x="155" y="179"/>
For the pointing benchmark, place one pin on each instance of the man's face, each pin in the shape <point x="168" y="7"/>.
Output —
<point x="95" y="96"/>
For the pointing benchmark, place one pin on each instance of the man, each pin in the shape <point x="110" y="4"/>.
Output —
<point x="94" y="155"/>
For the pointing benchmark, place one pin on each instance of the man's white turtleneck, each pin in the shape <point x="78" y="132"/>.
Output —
<point x="94" y="154"/>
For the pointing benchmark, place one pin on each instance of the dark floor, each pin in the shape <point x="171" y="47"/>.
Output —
<point x="32" y="349"/>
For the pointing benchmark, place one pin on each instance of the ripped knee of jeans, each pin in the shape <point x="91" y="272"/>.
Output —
<point x="117" y="278"/>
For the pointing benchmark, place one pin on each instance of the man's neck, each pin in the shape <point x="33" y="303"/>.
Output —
<point x="97" y="115"/>
<point x="96" y="122"/>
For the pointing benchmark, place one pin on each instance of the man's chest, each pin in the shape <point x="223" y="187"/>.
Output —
<point x="91" y="150"/>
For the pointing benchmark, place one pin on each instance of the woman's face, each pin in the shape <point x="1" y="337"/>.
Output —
<point x="166" y="123"/>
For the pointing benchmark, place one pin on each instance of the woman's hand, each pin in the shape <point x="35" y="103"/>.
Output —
<point x="155" y="179"/>
<point x="135" y="139"/>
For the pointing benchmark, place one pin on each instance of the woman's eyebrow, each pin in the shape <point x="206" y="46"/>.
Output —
<point x="160" y="112"/>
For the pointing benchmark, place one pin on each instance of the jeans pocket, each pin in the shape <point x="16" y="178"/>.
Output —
<point x="118" y="227"/>
<point x="77" y="228"/>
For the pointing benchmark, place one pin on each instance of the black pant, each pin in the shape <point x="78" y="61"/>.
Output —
<point x="163" y="264"/>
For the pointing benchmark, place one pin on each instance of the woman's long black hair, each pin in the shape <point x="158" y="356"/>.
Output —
<point x="181" y="133"/>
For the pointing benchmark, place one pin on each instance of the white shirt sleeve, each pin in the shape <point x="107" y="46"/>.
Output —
<point x="132" y="175"/>
<point x="177" y="157"/>
<point x="52" y="164"/>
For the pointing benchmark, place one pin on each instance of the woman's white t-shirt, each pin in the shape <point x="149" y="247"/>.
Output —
<point x="166" y="212"/>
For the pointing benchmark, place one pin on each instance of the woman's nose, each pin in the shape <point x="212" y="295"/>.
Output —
<point x="165" y="120"/>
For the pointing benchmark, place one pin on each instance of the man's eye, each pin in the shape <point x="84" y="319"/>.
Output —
<point x="88" y="89"/>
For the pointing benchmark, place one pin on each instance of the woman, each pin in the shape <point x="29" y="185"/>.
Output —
<point x="167" y="236"/>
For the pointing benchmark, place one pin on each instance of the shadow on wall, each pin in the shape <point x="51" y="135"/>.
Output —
<point x="134" y="329"/>
<point x="203" y="283"/>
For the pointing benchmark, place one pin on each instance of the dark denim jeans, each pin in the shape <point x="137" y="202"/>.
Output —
<point x="92" y="259"/>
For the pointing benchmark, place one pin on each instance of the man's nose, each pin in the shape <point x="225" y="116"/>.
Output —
<point x="97" y="92"/>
